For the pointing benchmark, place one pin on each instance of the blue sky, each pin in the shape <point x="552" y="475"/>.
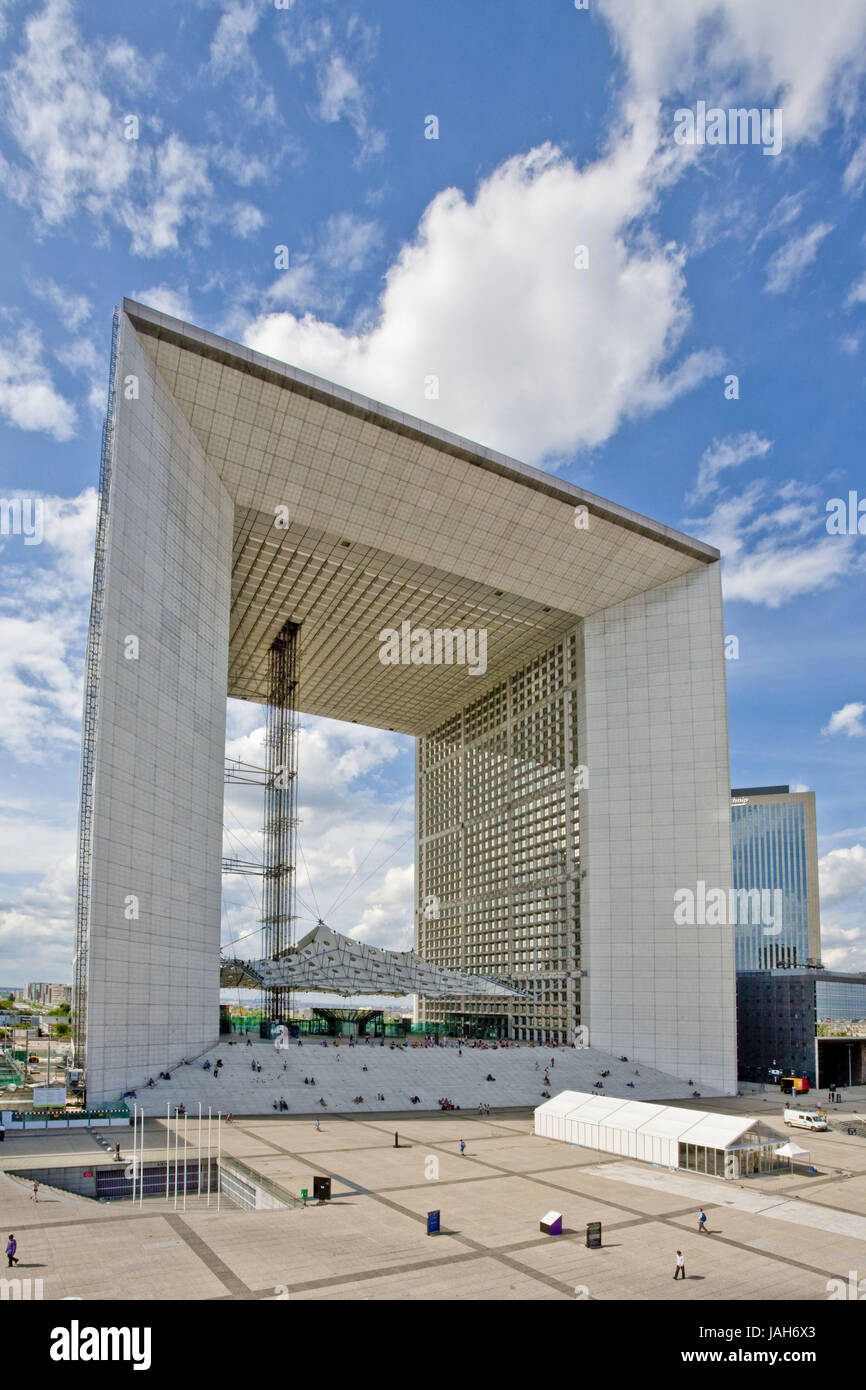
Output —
<point x="258" y="126"/>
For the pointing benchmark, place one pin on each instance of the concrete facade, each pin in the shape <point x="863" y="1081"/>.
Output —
<point x="557" y="817"/>
<point x="245" y="493"/>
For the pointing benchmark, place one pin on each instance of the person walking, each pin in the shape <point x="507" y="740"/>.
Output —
<point x="462" y="1146"/>
<point x="702" y="1222"/>
<point x="318" y="1126"/>
<point x="11" y="1247"/>
<point x="34" y="1196"/>
<point x="681" y="1265"/>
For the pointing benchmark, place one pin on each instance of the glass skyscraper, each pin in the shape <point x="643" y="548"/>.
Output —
<point x="775" y="850"/>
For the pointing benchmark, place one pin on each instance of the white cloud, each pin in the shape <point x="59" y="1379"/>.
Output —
<point x="789" y="262"/>
<point x="66" y="106"/>
<point x="179" y="188"/>
<point x="842" y="873"/>
<point x="167" y="301"/>
<point x="356" y="828"/>
<point x="246" y="220"/>
<point x="69" y="137"/>
<point x="774" y="548"/>
<point x="317" y="279"/>
<point x="730" y="452"/>
<point x="83" y="357"/>
<point x="388" y="917"/>
<point x="72" y="309"/>
<point x="230" y="44"/>
<point x="857" y="292"/>
<point x="848" y="720"/>
<point x="795" y="54"/>
<point x="490" y="286"/>
<point x="854" y="178"/>
<point x="340" y="58"/>
<point x="231" y="55"/>
<point x="28" y="397"/>
<point x="342" y="97"/>
<point x="43" y="624"/>
<point x="37" y="929"/>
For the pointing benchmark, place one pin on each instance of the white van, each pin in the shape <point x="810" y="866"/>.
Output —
<point x="805" y="1119"/>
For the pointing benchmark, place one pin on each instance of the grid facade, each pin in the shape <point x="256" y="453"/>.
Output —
<point x="497" y="809"/>
<point x="840" y="999"/>
<point x="774" y="846"/>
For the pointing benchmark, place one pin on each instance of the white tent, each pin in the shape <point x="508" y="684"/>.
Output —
<point x="792" y="1151"/>
<point x="700" y="1141"/>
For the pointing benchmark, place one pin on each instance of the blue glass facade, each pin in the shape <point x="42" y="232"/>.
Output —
<point x="835" y="999"/>
<point x="774" y="847"/>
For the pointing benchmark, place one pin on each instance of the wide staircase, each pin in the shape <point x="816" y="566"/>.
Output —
<point x="397" y="1071"/>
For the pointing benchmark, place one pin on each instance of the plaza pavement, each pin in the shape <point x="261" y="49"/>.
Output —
<point x="370" y="1242"/>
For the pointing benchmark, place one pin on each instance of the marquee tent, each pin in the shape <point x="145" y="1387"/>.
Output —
<point x="700" y="1141"/>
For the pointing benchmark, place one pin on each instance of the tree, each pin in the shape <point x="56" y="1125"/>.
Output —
<point x="62" y="1030"/>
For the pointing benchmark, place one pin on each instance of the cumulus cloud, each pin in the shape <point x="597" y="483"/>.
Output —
<point x="388" y="917"/>
<point x="848" y="720"/>
<point x="773" y="544"/>
<point x="38" y="926"/>
<point x="842" y="880"/>
<point x="491" y="285"/>
<point x="788" y="53"/>
<point x="28" y="397"/>
<point x="67" y="102"/>
<point x="166" y="300"/>
<point x="355" y="835"/>
<point x="842" y="873"/>
<point x="43" y="624"/>
<point x="730" y="452"/>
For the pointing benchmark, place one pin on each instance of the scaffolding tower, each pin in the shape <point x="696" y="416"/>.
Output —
<point x="281" y="746"/>
<point x="92" y="663"/>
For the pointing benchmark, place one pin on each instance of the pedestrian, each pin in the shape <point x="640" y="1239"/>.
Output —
<point x="702" y="1222"/>
<point x="681" y="1265"/>
<point x="318" y="1126"/>
<point x="229" y="1118"/>
<point x="34" y="1196"/>
<point x="11" y="1247"/>
<point x="462" y="1147"/>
